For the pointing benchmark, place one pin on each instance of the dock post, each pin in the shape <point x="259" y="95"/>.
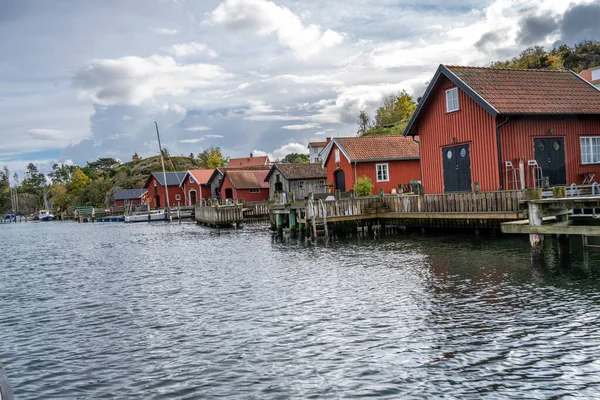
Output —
<point x="279" y="222"/>
<point x="292" y="220"/>
<point x="536" y="240"/>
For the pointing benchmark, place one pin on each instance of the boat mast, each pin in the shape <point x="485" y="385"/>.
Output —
<point x="164" y="173"/>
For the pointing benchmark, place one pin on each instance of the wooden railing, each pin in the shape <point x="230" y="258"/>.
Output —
<point x="256" y="210"/>
<point x="219" y="215"/>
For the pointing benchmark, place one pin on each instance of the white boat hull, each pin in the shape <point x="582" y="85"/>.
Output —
<point x="158" y="216"/>
<point x="47" y="218"/>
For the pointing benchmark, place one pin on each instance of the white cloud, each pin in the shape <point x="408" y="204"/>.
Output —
<point x="290" y="148"/>
<point x="166" y="31"/>
<point x="265" y="17"/>
<point x="133" y="80"/>
<point x="214" y="136"/>
<point x="183" y="50"/>
<point x="44" y="134"/>
<point x="198" y="128"/>
<point x="126" y="118"/>
<point x="196" y="140"/>
<point x="299" y="127"/>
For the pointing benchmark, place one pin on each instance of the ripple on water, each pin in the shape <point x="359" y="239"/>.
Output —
<point x="168" y="311"/>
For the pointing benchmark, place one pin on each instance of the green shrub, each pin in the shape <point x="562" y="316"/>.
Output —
<point x="363" y="186"/>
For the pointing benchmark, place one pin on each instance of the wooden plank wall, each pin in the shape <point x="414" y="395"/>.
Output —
<point x="219" y="215"/>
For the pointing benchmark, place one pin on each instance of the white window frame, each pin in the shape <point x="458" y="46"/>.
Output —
<point x="387" y="172"/>
<point x="177" y="197"/>
<point x="254" y="190"/>
<point x="155" y="183"/>
<point x="452" y="100"/>
<point x="126" y="202"/>
<point x="590" y="151"/>
<point x="191" y="179"/>
<point x="337" y="155"/>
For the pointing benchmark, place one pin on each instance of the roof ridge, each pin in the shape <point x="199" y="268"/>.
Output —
<point x="507" y="69"/>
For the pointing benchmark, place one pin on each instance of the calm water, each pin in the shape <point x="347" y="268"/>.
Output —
<point x="159" y="311"/>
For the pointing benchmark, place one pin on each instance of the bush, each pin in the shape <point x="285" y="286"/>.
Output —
<point x="363" y="186"/>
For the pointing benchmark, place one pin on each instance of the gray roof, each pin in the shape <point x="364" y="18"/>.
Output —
<point x="128" y="194"/>
<point x="173" y="178"/>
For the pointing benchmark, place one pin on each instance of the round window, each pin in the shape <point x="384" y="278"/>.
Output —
<point x="541" y="146"/>
<point x="449" y="154"/>
<point x="556" y="145"/>
<point x="463" y="152"/>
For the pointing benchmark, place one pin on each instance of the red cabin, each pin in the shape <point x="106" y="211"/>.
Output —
<point x="195" y="185"/>
<point x="126" y="197"/>
<point x="247" y="185"/>
<point x="506" y="129"/>
<point x="155" y="185"/>
<point x="389" y="161"/>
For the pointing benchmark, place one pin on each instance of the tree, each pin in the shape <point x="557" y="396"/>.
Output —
<point x="135" y="157"/>
<point x="297" y="158"/>
<point x="212" y="158"/>
<point x="5" y="203"/>
<point x="34" y="180"/>
<point x="363" y="186"/>
<point x="105" y="163"/>
<point x="78" y="185"/>
<point x="60" y="196"/>
<point x="61" y="173"/>
<point x="364" y="123"/>
<point x="391" y="118"/>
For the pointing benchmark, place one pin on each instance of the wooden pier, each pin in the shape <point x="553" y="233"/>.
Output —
<point x="457" y="210"/>
<point x="233" y="213"/>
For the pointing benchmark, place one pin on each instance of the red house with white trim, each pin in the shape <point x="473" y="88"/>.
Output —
<point x="155" y="186"/>
<point x="247" y="185"/>
<point x="389" y="161"/>
<point x="506" y="129"/>
<point x="195" y="185"/>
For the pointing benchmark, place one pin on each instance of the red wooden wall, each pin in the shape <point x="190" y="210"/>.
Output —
<point x="174" y="190"/>
<point x="202" y="191"/>
<point x="518" y="134"/>
<point x="470" y="124"/>
<point x="400" y="171"/>
<point x="244" y="194"/>
<point x="121" y="203"/>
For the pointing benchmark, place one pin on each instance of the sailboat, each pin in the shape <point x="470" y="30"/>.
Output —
<point x="45" y="214"/>
<point x="158" y="215"/>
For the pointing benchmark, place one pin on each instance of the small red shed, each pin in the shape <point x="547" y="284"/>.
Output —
<point x="195" y="185"/>
<point x="155" y="185"/>
<point x="506" y="129"/>
<point x="388" y="161"/>
<point x="248" y="185"/>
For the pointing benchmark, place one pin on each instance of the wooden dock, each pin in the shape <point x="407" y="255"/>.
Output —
<point x="220" y="214"/>
<point x="457" y="210"/>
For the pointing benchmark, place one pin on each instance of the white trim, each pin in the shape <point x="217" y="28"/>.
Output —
<point x="591" y="152"/>
<point x="387" y="172"/>
<point x="336" y="154"/>
<point x="190" y="196"/>
<point x="450" y="101"/>
<point x="254" y="191"/>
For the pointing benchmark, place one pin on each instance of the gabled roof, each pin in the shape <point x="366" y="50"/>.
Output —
<point x="128" y="194"/>
<point x="248" y="161"/>
<point x="200" y="176"/>
<point x="374" y="148"/>
<point x="247" y="179"/>
<point x="296" y="171"/>
<point x="517" y="91"/>
<point x="317" y="144"/>
<point x="173" y="178"/>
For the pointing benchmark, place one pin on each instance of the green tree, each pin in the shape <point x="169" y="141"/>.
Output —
<point x="105" y="163"/>
<point x="212" y="158"/>
<point x="391" y="118"/>
<point x="61" y="173"/>
<point x="136" y="157"/>
<point x="78" y="186"/>
<point x="60" y="196"/>
<point x="5" y="203"/>
<point x="364" y="123"/>
<point x="297" y="158"/>
<point x="363" y="186"/>
<point x="34" y="180"/>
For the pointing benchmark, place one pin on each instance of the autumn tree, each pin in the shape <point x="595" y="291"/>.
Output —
<point x="78" y="185"/>
<point x="391" y="118"/>
<point x="212" y="158"/>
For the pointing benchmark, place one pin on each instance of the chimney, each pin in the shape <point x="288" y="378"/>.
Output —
<point x="251" y="155"/>
<point x="328" y="139"/>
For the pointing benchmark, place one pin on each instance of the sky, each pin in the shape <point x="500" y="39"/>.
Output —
<point x="86" y="79"/>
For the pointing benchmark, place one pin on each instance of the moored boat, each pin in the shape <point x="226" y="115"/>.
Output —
<point x="46" y="215"/>
<point x="158" y="215"/>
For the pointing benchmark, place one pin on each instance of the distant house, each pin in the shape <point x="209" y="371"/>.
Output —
<point x="195" y="185"/>
<point x="248" y="185"/>
<point x="314" y="150"/>
<point x="248" y="161"/>
<point x="126" y="197"/>
<point x="592" y="75"/>
<point x="389" y="161"/>
<point x="301" y="179"/>
<point x="155" y="185"/>
<point x="493" y="126"/>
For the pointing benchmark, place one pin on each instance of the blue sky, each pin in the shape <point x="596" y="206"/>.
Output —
<point x="85" y="79"/>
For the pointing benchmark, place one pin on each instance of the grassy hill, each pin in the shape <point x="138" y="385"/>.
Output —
<point x="133" y="174"/>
